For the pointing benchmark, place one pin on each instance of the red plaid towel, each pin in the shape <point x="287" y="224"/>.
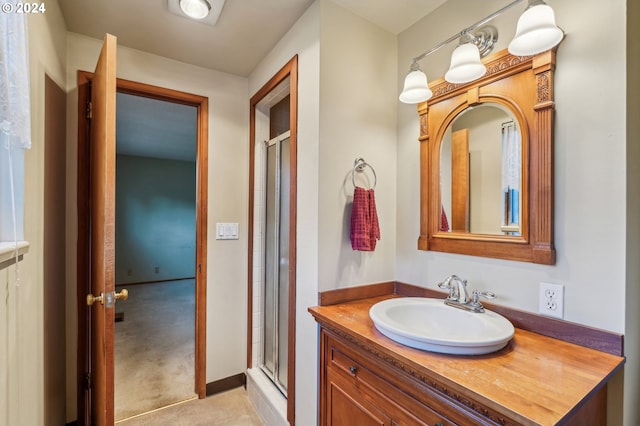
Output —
<point x="365" y="229"/>
<point x="444" y="223"/>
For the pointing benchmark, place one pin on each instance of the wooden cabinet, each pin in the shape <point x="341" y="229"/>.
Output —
<point x="367" y="379"/>
<point x="345" y="405"/>
<point x="360" y="390"/>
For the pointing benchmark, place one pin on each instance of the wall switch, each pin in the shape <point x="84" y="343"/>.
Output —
<point x="226" y="231"/>
<point x="552" y="300"/>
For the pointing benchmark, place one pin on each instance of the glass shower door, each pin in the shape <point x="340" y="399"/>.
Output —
<point x="276" y="258"/>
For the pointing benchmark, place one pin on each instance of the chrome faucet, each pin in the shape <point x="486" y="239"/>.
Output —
<point x="457" y="289"/>
<point x="459" y="296"/>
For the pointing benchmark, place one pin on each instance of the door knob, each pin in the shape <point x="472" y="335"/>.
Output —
<point x="91" y="299"/>
<point x="110" y="299"/>
<point x="123" y="295"/>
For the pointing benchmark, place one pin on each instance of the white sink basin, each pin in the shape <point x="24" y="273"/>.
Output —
<point x="429" y="324"/>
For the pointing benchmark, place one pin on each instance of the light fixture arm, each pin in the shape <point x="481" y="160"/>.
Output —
<point x="466" y="30"/>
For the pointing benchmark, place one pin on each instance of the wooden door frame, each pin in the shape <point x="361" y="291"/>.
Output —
<point x="83" y="252"/>
<point x="290" y="69"/>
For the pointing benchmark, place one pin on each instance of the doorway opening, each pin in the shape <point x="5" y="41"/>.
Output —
<point x="155" y="241"/>
<point x="198" y="265"/>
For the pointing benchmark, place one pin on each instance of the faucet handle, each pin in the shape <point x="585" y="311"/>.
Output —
<point x="486" y="294"/>
<point x="475" y="304"/>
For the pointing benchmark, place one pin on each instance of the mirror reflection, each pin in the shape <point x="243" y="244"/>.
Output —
<point x="481" y="172"/>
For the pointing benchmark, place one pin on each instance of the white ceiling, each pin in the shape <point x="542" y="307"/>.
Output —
<point x="245" y="32"/>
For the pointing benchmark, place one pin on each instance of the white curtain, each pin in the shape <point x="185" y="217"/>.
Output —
<point x="511" y="175"/>
<point x="15" y="119"/>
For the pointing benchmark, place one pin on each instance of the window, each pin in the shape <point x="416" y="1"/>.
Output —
<point x="15" y="130"/>
<point x="11" y="191"/>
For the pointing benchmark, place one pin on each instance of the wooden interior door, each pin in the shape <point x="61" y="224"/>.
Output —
<point x="102" y="231"/>
<point x="460" y="181"/>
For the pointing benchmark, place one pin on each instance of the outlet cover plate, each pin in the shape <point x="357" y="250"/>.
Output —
<point x="552" y="300"/>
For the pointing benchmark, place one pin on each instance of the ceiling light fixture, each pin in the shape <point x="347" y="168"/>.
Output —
<point x="203" y="11"/>
<point x="196" y="9"/>
<point x="536" y="32"/>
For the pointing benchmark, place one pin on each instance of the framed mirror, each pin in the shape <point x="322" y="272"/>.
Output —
<point x="486" y="162"/>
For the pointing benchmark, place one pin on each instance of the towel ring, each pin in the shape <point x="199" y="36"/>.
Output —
<point x="358" y="166"/>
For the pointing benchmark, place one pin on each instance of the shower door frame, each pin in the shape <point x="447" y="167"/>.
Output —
<point x="274" y="374"/>
<point x="290" y="71"/>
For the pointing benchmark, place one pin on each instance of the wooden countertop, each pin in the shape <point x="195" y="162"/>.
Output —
<point x="535" y="378"/>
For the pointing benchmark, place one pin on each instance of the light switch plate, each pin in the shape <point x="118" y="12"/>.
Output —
<point x="227" y="231"/>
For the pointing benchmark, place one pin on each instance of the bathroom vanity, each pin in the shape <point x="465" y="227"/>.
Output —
<point x="369" y="379"/>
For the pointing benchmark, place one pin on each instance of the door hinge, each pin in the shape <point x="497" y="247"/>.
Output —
<point x="89" y="110"/>
<point x="87" y="381"/>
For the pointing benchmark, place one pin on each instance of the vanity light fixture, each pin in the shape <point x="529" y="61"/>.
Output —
<point x="416" y="89"/>
<point x="196" y="9"/>
<point x="465" y="60"/>
<point x="536" y="32"/>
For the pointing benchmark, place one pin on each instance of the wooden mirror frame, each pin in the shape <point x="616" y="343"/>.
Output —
<point x="525" y="86"/>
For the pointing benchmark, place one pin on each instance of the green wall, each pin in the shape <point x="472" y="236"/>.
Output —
<point x="155" y="219"/>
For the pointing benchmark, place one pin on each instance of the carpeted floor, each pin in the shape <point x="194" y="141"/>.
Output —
<point x="154" y="347"/>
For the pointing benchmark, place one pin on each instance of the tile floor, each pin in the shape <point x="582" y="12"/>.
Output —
<point x="230" y="408"/>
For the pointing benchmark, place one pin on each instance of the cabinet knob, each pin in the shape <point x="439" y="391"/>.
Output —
<point x="439" y="424"/>
<point x="353" y="369"/>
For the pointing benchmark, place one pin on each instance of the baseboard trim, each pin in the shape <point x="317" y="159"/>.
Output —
<point x="226" y="384"/>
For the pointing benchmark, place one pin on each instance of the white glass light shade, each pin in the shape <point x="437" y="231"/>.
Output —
<point x="415" y="89"/>
<point x="196" y="9"/>
<point x="465" y="64"/>
<point x="536" y="31"/>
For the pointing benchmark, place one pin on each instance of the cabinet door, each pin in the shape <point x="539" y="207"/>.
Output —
<point x="352" y="375"/>
<point x="346" y="406"/>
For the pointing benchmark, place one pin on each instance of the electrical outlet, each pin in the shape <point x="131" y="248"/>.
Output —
<point x="552" y="300"/>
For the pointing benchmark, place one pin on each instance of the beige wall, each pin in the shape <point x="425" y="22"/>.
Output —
<point x="357" y="119"/>
<point x="590" y="173"/>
